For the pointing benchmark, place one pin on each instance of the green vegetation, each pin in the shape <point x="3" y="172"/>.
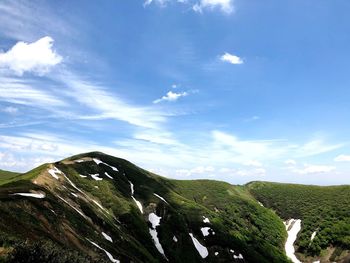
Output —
<point x="77" y="209"/>
<point x="324" y="210"/>
<point x="6" y="176"/>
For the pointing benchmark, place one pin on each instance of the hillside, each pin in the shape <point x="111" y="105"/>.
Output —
<point x="324" y="212"/>
<point x="98" y="208"/>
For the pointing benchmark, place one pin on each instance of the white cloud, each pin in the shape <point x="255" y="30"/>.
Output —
<point x="37" y="57"/>
<point x="252" y="163"/>
<point x="159" y="2"/>
<point x="314" y="169"/>
<point x="108" y="105"/>
<point x="10" y="110"/>
<point x="315" y="147"/>
<point x="232" y="59"/>
<point x="171" y="96"/>
<point x="342" y="158"/>
<point x="18" y="92"/>
<point x="290" y="162"/>
<point x="157" y="137"/>
<point x="225" y="6"/>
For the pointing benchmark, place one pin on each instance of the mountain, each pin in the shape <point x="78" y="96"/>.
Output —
<point x="97" y="208"/>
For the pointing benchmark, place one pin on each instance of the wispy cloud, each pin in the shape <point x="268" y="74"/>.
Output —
<point x="232" y="59"/>
<point x="313" y="169"/>
<point x="37" y="57"/>
<point x="342" y="158"/>
<point x="225" y="6"/>
<point x="21" y="92"/>
<point x="10" y="110"/>
<point x="171" y="96"/>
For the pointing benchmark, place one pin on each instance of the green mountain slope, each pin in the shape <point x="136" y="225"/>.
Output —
<point x="98" y="208"/>
<point x="324" y="211"/>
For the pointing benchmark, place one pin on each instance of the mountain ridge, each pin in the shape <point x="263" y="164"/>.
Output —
<point x="101" y="208"/>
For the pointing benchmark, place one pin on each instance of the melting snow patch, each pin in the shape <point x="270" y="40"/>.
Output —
<point x="98" y="161"/>
<point x="161" y="198"/>
<point x="107" y="237"/>
<point x="75" y="195"/>
<point x="155" y="221"/>
<point x="40" y="196"/>
<point x="96" y="177"/>
<point x="313" y="235"/>
<point x="54" y="172"/>
<point x="110" y="177"/>
<point x="202" y="250"/>
<point x="109" y="255"/>
<point x="80" y="213"/>
<point x="83" y="176"/>
<point x="205" y="231"/>
<point x="206" y="220"/>
<point x="139" y="205"/>
<point x="294" y="226"/>
<point x="175" y="239"/>
<point x="240" y="256"/>
<point x="261" y="204"/>
<point x="131" y="188"/>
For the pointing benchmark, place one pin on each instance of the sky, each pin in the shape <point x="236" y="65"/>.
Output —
<point x="233" y="90"/>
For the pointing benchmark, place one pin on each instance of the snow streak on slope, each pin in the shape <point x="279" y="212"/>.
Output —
<point x="31" y="195"/>
<point x="109" y="255"/>
<point x="155" y="221"/>
<point x="295" y="226"/>
<point x="202" y="250"/>
<point x="138" y="203"/>
<point x="98" y="161"/>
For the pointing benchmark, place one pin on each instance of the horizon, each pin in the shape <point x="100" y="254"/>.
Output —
<point x="236" y="91"/>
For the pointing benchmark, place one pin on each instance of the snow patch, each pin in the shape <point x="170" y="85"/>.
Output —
<point x="96" y="177"/>
<point x="109" y="255"/>
<point x="155" y="221"/>
<point x="161" y="198"/>
<point x="175" y="239"/>
<point x="206" y="220"/>
<point x="98" y="161"/>
<point x="293" y="226"/>
<point x="205" y="231"/>
<point x="313" y="235"/>
<point x="110" y="177"/>
<point x="73" y="194"/>
<point x="107" y="237"/>
<point x="216" y="253"/>
<point x="202" y="250"/>
<point x="40" y="196"/>
<point x="260" y="204"/>
<point x="54" y="172"/>
<point x="82" y="176"/>
<point x="240" y="256"/>
<point x="138" y="203"/>
<point x="131" y="188"/>
<point x="80" y="213"/>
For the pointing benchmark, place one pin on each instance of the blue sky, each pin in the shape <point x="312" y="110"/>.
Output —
<point x="230" y="90"/>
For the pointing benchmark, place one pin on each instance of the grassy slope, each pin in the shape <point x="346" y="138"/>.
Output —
<point x="322" y="209"/>
<point x="238" y="221"/>
<point x="6" y="176"/>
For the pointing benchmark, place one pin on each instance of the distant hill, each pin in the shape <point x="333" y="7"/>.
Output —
<point x="98" y="208"/>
